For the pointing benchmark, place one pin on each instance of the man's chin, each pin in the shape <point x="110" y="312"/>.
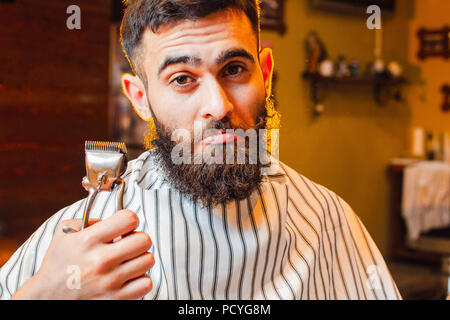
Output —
<point x="210" y="184"/>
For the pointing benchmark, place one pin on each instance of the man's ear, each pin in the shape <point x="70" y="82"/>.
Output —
<point x="267" y="66"/>
<point x="134" y="89"/>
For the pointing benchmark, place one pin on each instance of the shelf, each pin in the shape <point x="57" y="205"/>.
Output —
<point x="384" y="89"/>
<point x="362" y="80"/>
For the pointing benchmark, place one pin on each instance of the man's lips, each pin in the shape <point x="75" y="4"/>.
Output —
<point x="219" y="138"/>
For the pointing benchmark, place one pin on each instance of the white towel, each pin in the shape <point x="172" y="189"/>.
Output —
<point x="426" y="197"/>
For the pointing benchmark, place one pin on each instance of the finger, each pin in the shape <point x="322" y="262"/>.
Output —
<point x="130" y="247"/>
<point x="120" y="223"/>
<point x="135" y="289"/>
<point x="134" y="268"/>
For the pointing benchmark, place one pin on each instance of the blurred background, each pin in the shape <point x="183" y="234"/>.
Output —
<point x="365" y="112"/>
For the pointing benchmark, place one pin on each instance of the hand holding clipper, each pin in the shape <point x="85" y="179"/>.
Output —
<point x="111" y="270"/>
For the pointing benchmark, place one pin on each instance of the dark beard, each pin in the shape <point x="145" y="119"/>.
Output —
<point x="208" y="183"/>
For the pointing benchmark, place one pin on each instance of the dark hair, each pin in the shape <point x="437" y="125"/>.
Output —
<point x="141" y="14"/>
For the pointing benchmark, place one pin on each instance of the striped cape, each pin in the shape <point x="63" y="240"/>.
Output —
<point x="290" y="239"/>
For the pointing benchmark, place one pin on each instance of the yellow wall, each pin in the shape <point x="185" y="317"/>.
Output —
<point x="425" y="98"/>
<point x="348" y="148"/>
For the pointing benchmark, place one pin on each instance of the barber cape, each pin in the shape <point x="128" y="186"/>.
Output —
<point x="290" y="239"/>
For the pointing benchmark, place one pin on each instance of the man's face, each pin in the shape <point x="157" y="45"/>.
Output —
<point x="206" y="71"/>
<point x="203" y="71"/>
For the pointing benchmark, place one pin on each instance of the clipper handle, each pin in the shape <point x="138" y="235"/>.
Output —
<point x="90" y="200"/>
<point x="120" y="194"/>
<point x="93" y="193"/>
<point x="87" y="208"/>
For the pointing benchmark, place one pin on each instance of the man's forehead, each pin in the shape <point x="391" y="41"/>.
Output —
<point x="205" y="38"/>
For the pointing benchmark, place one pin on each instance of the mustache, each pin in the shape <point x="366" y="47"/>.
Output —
<point x="264" y="114"/>
<point x="226" y="123"/>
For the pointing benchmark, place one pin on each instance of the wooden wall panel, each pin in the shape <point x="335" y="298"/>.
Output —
<point x="53" y="97"/>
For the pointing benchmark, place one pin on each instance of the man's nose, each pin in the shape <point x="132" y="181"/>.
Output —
<point x="216" y="103"/>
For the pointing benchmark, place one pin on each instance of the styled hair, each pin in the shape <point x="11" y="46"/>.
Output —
<point x="141" y="14"/>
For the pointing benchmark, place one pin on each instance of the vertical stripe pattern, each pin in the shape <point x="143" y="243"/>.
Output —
<point x="290" y="239"/>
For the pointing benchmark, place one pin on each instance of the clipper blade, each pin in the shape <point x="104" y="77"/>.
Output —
<point x="105" y="157"/>
<point x="106" y="146"/>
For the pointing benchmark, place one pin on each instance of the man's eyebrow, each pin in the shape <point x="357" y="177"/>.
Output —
<point x="223" y="57"/>
<point x="175" y="60"/>
<point x="234" y="53"/>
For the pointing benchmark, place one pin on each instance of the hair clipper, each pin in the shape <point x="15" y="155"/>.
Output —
<point x="105" y="163"/>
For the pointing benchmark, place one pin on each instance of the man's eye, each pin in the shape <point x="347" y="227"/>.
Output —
<point x="234" y="70"/>
<point x="182" y="80"/>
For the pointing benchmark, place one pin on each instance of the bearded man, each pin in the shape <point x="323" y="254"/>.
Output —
<point x="210" y="226"/>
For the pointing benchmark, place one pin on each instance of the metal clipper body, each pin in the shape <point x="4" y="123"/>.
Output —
<point x="105" y="163"/>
